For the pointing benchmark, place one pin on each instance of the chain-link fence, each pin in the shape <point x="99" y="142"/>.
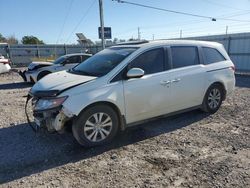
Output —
<point x="22" y="55"/>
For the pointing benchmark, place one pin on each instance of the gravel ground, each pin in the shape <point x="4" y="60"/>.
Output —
<point x="193" y="149"/>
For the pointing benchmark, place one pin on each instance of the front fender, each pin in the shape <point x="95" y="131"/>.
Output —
<point x="112" y="93"/>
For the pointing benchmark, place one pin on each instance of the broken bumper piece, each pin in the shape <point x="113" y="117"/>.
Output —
<point x="53" y="120"/>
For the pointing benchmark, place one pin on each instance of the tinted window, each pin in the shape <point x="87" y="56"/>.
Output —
<point x="84" y="57"/>
<point x="103" y="62"/>
<point x="184" y="56"/>
<point x="73" y="59"/>
<point x="151" y="61"/>
<point x="212" y="55"/>
<point x="59" y="60"/>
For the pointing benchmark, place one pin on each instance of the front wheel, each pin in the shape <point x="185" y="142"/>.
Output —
<point x="213" y="98"/>
<point x="95" y="126"/>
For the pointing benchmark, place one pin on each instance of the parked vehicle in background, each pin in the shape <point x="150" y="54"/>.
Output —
<point x="37" y="70"/>
<point x="125" y="85"/>
<point x="4" y="64"/>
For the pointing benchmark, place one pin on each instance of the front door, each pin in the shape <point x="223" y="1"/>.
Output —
<point x="148" y="96"/>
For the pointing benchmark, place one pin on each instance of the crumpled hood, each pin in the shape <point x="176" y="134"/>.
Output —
<point x="36" y="63"/>
<point x="60" y="81"/>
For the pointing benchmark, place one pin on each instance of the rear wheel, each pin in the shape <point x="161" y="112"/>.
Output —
<point x="213" y="98"/>
<point x="42" y="74"/>
<point x="96" y="126"/>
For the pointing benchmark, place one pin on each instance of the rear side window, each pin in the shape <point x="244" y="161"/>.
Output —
<point x="151" y="61"/>
<point x="183" y="56"/>
<point x="212" y="55"/>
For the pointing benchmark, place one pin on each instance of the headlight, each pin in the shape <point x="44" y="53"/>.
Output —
<point x="45" y="104"/>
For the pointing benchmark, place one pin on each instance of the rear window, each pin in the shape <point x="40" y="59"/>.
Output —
<point x="183" y="56"/>
<point x="212" y="55"/>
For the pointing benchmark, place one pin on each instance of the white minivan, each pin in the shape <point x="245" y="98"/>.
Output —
<point x="127" y="84"/>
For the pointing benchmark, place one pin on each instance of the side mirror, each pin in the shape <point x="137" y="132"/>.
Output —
<point x="135" y="73"/>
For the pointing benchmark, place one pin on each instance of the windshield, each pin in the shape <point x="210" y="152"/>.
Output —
<point x="59" y="60"/>
<point x="103" y="62"/>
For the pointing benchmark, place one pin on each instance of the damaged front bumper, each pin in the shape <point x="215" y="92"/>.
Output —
<point x="27" y="75"/>
<point x="22" y="74"/>
<point x="52" y="119"/>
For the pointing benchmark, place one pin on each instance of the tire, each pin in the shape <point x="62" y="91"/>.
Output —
<point x="213" y="98"/>
<point x="88" y="129"/>
<point x="42" y="74"/>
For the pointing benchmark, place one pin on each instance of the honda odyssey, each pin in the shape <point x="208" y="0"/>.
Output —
<point x="125" y="85"/>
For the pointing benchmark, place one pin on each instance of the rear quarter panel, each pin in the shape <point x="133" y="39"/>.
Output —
<point x="221" y="72"/>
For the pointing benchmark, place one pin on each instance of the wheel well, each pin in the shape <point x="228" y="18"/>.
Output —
<point x="223" y="88"/>
<point x="114" y="107"/>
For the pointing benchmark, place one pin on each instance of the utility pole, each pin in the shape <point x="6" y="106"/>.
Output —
<point x="102" y="23"/>
<point x="139" y="34"/>
<point x="153" y="37"/>
<point x="180" y="34"/>
<point x="226" y="30"/>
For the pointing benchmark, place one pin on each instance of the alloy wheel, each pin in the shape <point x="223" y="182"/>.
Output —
<point x="98" y="127"/>
<point x="214" y="98"/>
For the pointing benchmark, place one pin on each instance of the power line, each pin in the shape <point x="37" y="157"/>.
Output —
<point x="66" y="17"/>
<point x="200" y="30"/>
<point x="165" y="10"/>
<point x="179" y="12"/>
<point x="80" y="21"/>
<point x="234" y="20"/>
<point x="182" y="23"/>
<point x="240" y="13"/>
<point x="222" y="5"/>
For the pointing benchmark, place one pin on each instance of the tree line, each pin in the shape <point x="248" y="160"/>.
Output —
<point x="29" y="39"/>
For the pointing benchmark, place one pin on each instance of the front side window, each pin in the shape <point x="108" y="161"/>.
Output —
<point x="212" y="55"/>
<point x="103" y="62"/>
<point x="73" y="60"/>
<point x="151" y="61"/>
<point x="84" y="57"/>
<point x="60" y="60"/>
<point x="183" y="56"/>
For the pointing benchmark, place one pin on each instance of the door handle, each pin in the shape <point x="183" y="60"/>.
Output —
<point x="176" y="80"/>
<point x="165" y="82"/>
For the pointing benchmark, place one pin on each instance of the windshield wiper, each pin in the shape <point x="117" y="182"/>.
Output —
<point x="80" y="72"/>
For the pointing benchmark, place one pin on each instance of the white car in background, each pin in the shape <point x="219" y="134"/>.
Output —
<point x="4" y="64"/>
<point x="37" y="70"/>
<point x="125" y="85"/>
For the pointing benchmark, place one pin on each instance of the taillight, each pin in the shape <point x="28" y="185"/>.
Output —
<point x="7" y="62"/>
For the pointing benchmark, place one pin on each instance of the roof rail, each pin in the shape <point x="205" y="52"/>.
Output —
<point x="132" y="42"/>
